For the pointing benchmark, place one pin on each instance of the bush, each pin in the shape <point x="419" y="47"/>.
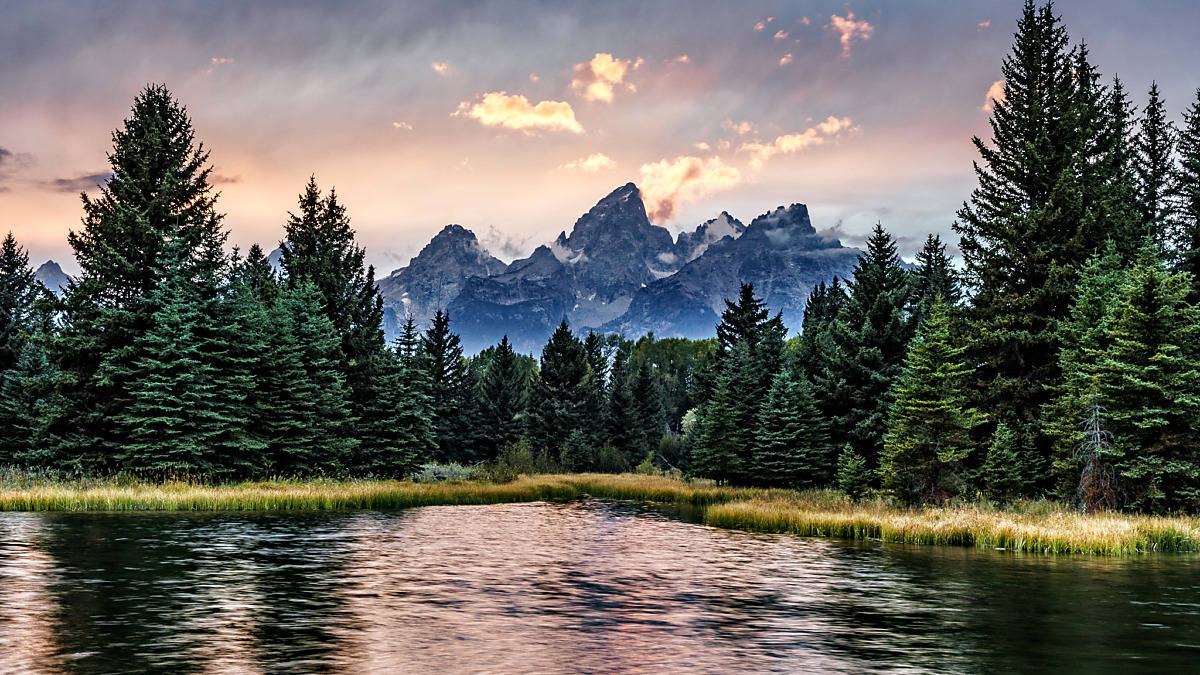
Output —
<point x="853" y="477"/>
<point x="577" y="453"/>
<point x="610" y="460"/>
<point x="440" y="473"/>
<point x="647" y="466"/>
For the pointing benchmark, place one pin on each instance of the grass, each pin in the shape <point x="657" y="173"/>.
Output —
<point x="1036" y="527"/>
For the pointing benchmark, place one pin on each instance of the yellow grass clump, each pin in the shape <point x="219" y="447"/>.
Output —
<point x="1041" y="528"/>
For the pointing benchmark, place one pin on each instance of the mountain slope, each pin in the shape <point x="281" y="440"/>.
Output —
<point x="52" y="277"/>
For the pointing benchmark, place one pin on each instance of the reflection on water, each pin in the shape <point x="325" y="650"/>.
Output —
<point x="578" y="587"/>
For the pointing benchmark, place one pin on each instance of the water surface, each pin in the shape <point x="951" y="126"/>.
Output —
<point x="587" y="586"/>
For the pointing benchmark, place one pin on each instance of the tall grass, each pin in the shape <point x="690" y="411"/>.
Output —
<point x="1035" y="528"/>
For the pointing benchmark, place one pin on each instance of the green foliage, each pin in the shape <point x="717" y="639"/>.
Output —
<point x="1155" y="143"/>
<point x="503" y="392"/>
<point x="1002" y="473"/>
<point x="560" y="394"/>
<point x="577" y="453"/>
<point x="791" y="442"/>
<point x="934" y="279"/>
<point x="929" y="427"/>
<point x="452" y="392"/>
<point x="1185" y="192"/>
<point x="853" y="476"/>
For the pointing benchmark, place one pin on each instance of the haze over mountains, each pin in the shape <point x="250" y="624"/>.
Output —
<point x="616" y="271"/>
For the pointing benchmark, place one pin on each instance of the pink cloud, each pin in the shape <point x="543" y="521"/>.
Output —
<point x="667" y="183"/>
<point x="499" y="109"/>
<point x="850" y="30"/>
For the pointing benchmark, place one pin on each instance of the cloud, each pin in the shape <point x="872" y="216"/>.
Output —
<point x="787" y="58"/>
<point x="740" y="128"/>
<point x="763" y="24"/>
<point x="792" y="143"/>
<point x="995" y="94"/>
<point x="804" y="21"/>
<point x="598" y="77"/>
<point x="592" y="163"/>
<point x="781" y="35"/>
<point x="533" y="77"/>
<point x="78" y="184"/>
<point x="498" y="109"/>
<point x="221" y="60"/>
<point x="667" y="183"/>
<point x="703" y="145"/>
<point x="12" y="162"/>
<point x="850" y="30"/>
<point x="987" y="23"/>
<point x="682" y="58"/>
<point x="402" y="125"/>
<point x="504" y="246"/>
<point x="222" y="179"/>
<point x="440" y="67"/>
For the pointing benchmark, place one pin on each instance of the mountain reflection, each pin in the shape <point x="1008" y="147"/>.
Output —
<point x="578" y="587"/>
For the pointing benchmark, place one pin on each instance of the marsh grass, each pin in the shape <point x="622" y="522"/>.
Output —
<point x="1035" y="527"/>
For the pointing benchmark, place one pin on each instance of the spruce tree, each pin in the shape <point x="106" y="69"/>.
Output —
<point x="929" y="426"/>
<point x="257" y="275"/>
<point x="560" y="392"/>
<point x="1155" y="145"/>
<point x="648" y="420"/>
<point x="791" y="440"/>
<point x="853" y="476"/>
<point x="503" y="391"/>
<point x="620" y="422"/>
<point x="865" y="349"/>
<point x="414" y="412"/>
<point x="1186" y="198"/>
<point x="1044" y="205"/>
<point x="19" y="291"/>
<point x="1002" y="476"/>
<point x="159" y="191"/>
<point x="452" y="392"/>
<point x="1148" y="379"/>
<point x="934" y="278"/>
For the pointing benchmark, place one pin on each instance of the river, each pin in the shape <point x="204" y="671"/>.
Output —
<point x="587" y="586"/>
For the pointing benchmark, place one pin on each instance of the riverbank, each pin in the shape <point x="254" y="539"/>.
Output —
<point x="1035" y="527"/>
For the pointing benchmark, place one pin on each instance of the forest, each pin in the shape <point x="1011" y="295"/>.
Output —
<point x="1059" y="358"/>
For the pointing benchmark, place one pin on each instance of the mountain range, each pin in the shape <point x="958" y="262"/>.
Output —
<point x="616" y="272"/>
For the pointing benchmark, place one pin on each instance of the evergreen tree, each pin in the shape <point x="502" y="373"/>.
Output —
<point x="725" y="447"/>
<point x="452" y="392"/>
<point x="1044" y="204"/>
<point x="1148" y="379"/>
<point x="853" y="476"/>
<point x="159" y="191"/>
<point x="648" y="422"/>
<point x="929" y="427"/>
<point x="560" y="392"/>
<point x="934" y="278"/>
<point x="620" y="421"/>
<point x="1155" y="145"/>
<point x="26" y="394"/>
<point x="414" y="413"/>
<point x="1002" y="474"/>
<point x="319" y="249"/>
<point x="865" y="350"/>
<point x="257" y="275"/>
<point x="1186" y="193"/>
<point x="791" y="440"/>
<point x="502" y="396"/>
<point x="19" y="291"/>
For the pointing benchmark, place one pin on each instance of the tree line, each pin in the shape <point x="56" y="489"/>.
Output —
<point x="1060" y="359"/>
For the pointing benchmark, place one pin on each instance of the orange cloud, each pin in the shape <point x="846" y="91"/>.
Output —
<point x="440" y="67"/>
<point x="499" y="109"/>
<point x="987" y="23"/>
<point x="598" y="77"/>
<point x="592" y="163"/>
<point x="667" y="183"/>
<point x="804" y="21"/>
<point x="850" y="30"/>
<point x="221" y="60"/>
<point x="763" y="24"/>
<point x="781" y="35"/>
<point x="792" y="143"/>
<point x="787" y="58"/>
<point x="682" y="58"/>
<point x="402" y="125"/>
<point x="995" y="94"/>
<point x="533" y="77"/>
<point x="740" y="128"/>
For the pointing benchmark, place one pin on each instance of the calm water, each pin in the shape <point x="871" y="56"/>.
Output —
<point x="579" y="587"/>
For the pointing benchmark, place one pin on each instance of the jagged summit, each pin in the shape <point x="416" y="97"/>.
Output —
<point x="616" y="270"/>
<point x="51" y="275"/>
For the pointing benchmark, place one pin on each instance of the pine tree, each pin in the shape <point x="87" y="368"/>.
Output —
<point x="559" y="395"/>
<point x="649" y="424"/>
<point x="933" y="279"/>
<point x="319" y="248"/>
<point x="19" y="291"/>
<point x="503" y="391"/>
<point x="1155" y="145"/>
<point x="929" y="426"/>
<point x="1002" y="475"/>
<point x="159" y="192"/>
<point x="1044" y="205"/>
<point x="853" y="476"/>
<point x="865" y="349"/>
<point x="414" y="413"/>
<point x="620" y="419"/>
<point x="1148" y="379"/>
<point x="26" y="394"/>
<point x="257" y="275"/>
<point x="1186" y="193"/>
<point x="452" y="392"/>
<point x="725" y="448"/>
<point x="791" y="440"/>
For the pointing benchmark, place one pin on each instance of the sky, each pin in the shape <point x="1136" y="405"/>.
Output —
<point x="513" y="118"/>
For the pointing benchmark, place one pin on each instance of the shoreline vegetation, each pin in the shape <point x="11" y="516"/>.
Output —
<point x="1036" y="527"/>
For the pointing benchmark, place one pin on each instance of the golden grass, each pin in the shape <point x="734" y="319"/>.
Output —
<point x="816" y="513"/>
